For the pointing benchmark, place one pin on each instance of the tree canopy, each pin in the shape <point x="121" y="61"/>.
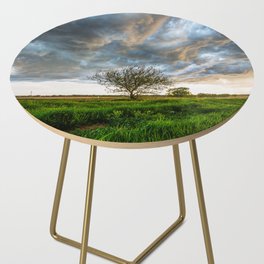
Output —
<point x="179" y="92"/>
<point x="133" y="80"/>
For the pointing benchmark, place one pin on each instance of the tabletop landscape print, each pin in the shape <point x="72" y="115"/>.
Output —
<point x="132" y="77"/>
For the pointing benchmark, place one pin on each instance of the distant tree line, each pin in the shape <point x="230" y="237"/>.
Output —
<point x="216" y="95"/>
<point x="184" y="92"/>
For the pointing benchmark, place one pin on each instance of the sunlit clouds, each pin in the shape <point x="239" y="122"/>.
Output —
<point x="189" y="53"/>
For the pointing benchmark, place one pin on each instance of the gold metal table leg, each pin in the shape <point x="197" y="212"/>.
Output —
<point x="57" y="199"/>
<point x="88" y="205"/>
<point x="83" y="246"/>
<point x="201" y="201"/>
<point x="178" y="222"/>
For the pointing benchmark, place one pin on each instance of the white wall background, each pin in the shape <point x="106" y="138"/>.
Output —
<point x="135" y="194"/>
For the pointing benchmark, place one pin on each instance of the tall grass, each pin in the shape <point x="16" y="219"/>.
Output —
<point x="133" y="121"/>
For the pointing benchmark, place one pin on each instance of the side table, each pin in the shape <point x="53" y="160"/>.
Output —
<point x="133" y="81"/>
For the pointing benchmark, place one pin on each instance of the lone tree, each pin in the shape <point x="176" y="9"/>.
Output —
<point x="179" y="92"/>
<point x="133" y="80"/>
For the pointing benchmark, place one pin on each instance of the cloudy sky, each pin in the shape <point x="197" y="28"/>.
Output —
<point x="59" y="61"/>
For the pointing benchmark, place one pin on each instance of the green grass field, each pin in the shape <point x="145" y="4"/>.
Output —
<point x="122" y="120"/>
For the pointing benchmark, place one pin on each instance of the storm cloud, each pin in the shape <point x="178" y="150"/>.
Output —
<point x="182" y="49"/>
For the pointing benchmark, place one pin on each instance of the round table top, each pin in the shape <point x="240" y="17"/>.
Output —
<point x="132" y="80"/>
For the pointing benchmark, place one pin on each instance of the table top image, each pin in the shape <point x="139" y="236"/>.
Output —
<point x="132" y="80"/>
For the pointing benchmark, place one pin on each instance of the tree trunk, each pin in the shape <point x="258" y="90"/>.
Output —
<point x="132" y="96"/>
